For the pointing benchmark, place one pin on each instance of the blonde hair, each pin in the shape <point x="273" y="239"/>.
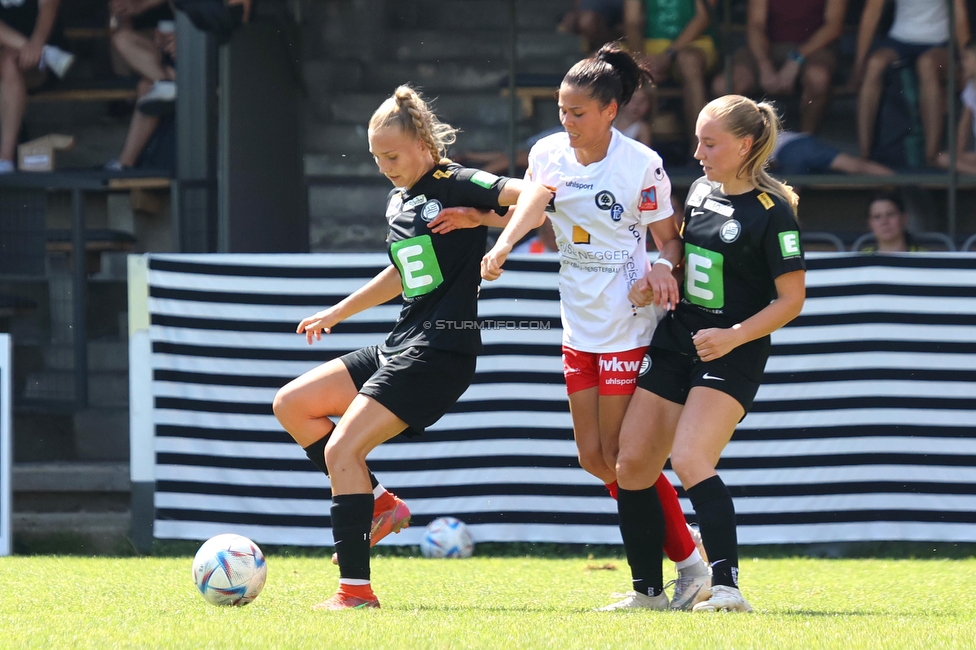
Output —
<point x="744" y="118"/>
<point x="408" y="111"/>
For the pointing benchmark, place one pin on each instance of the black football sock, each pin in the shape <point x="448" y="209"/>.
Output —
<point x="352" y="516"/>
<point x="642" y="529"/>
<point x="316" y="454"/>
<point x="716" y="521"/>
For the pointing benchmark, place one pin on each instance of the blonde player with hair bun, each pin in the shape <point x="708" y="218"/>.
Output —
<point x="409" y="381"/>
<point x="744" y="279"/>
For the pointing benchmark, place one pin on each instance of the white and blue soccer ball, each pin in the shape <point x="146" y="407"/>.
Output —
<point x="447" y="537"/>
<point x="229" y="569"/>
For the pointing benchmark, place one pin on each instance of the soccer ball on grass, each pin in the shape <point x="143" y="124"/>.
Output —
<point x="229" y="570"/>
<point x="447" y="537"/>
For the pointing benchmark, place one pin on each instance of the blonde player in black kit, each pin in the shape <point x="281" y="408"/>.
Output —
<point x="428" y="360"/>
<point x="743" y="279"/>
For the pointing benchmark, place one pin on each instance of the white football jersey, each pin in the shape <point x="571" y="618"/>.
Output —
<point x="600" y="213"/>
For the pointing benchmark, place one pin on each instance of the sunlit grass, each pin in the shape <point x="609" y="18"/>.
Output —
<point x="58" y="602"/>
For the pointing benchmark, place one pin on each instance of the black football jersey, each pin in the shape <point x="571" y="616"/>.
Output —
<point x="735" y="248"/>
<point x="440" y="274"/>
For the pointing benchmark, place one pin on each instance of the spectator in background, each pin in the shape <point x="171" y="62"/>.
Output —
<point x="917" y="38"/>
<point x="888" y="222"/>
<point x="597" y="21"/>
<point x="672" y="36"/>
<point x="634" y="117"/>
<point x="145" y="40"/>
<point x="26" y="26"/>
<point x="802" y="153"/>
<point x="965" y="157"/>
<point x="789" y="41"/>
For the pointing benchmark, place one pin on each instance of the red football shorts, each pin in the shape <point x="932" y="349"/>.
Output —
<point x="613" y="373"/>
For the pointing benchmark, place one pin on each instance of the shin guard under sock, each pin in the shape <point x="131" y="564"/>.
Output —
<point x="352" y="516"/>
<point x="716" y="521"/>
<point x="642" y="529"/>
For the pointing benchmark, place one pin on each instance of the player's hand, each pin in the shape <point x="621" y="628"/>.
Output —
<point x="641" y="294"/>
<point x="714" y="342"/>
<point x="664" y="286"/>
<point x="450" y="219"/>
<point x="491" y="264"/>
<point x="313" y="326"/>
<point x="29" y="56"/>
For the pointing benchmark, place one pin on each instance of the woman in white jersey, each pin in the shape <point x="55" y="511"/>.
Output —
<point x="608" y="190"/>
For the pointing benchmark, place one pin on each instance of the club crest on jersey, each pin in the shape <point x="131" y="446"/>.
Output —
<point x="645" y="365"/>
<point x="648" y="198"/>
<point x="616" y="211"/>
<point x="605" y="200"/>
<point x="431" y="210"/>
<point x="730" y="230"/>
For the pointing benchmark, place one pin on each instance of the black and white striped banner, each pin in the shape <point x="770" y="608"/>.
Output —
<point x="863" y="429"/>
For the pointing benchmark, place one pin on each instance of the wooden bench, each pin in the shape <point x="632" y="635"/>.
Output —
<point x="97" y="241"/>
<point x="87" y="33"/>
<point x="84" y="95"/>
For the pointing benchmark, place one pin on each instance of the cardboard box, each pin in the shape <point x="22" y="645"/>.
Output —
<point x="39" y="155"/>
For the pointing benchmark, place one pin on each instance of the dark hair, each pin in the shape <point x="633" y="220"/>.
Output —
<point x="885" y="195"/>
<point x="610" y="75"/>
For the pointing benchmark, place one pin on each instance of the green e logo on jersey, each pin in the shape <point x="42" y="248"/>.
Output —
<point x="789" y="243"/>
<point x="704" y="281"/>
<point x="417" y="262"/>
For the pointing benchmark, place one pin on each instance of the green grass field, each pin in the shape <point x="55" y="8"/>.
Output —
<point x="66" y="602"/>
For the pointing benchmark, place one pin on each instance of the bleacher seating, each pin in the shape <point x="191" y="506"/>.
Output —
<point x="932" y="241"/>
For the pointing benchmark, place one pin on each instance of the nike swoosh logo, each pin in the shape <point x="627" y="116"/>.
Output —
<point x="695" y="212"/>
<point x="709" y="375"/>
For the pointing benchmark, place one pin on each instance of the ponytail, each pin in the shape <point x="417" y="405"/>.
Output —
<point x="611" y="74"/>
<point x="744" y="118"/>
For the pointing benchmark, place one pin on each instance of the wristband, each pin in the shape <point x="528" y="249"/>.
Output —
<point x="665" y="261"/>
<point x="795" y="55"/>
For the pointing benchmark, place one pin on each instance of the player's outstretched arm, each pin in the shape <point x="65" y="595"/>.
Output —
<point x="382" y="288"/>
<point x="530" y="201"/>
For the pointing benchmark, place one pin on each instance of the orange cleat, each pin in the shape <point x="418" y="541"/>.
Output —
<point x="360" y="597"/>
<point x="392" y="520"/>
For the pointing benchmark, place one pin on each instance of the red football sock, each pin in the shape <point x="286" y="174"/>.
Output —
<point x="612" y="489"/>
<point x="359" y="591"/>
<point x="677" y="540"/>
